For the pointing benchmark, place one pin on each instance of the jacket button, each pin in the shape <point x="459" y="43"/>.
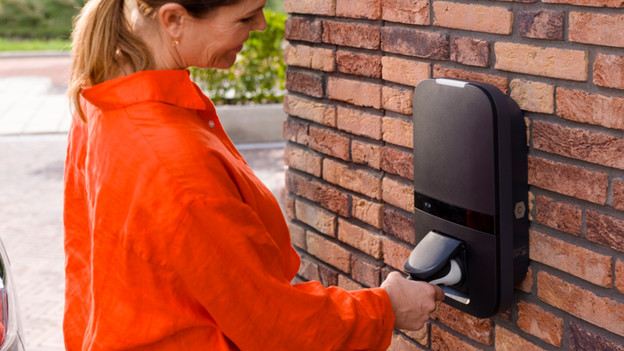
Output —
<point x="211" y="124"/>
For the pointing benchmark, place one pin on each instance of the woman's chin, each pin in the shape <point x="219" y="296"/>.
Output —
<point x="225" y="64"/>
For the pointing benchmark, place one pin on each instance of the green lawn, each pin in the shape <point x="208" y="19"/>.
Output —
<point x="34" y="45"/>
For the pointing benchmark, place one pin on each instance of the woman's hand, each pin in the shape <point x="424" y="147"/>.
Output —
<point x="412" y="301"/>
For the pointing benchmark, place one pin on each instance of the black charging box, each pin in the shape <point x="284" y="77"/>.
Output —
<point x="470" y="186"/>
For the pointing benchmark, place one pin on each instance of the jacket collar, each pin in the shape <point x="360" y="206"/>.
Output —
<point x="169" y="86"/>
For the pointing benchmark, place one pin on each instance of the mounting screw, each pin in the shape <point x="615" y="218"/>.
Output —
<point x="519" y="210"/>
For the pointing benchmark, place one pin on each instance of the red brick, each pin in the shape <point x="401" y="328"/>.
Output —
<point x="309" y="270"/>
<point x="400" y="40"/>
<point x="506" y="340"/>
<point x="533" y="96"/>
<point x="399" y="226"/>
<point x="316" y="217"/>
<point x="315" y="7"/>
<point x="298" y="28"/>
<point x="330" y="142"/>
<point x="329" y="252"/>
<point x="360" y="238"/>
<point x="385" y="271"/>
<point x="581" y="106"/>
<point x="531" y="206"/>
<point x="497" y="81"/>
<point x="443" y="340"/>
<point x="306" y="56"/>
<point x="596" y="29"/>
<point x="395" y="254"/>
<point x="348" y="284"/>
<point x="609" y="71"/>
<point x="404" y="71"/>
<point x="397" y="162"/>
<point x="329" y="277"/>
<point x="365" y="153"/>
<point x="537" y="322"/>
<point x="365" y="271"/>
<point x="359" y="123"/>
<point x="541" y="24"/>
<point x="367" y="211"/>
<point x="303" y="160"/>
<point x="402" y="343"/>
<point x="355" y="92"/>
<point x="568" y="180"/>
<point x="603" y="312"/>
<point x="618" y="194"/>
<point x="605" y="230"/>
<point x="477" y="329"/>
<point x="358" y="180"/>
<point x="420" y="336"/>
<point x="542" y="61"/>
<point x="594" y="3"/>
<point x="406" y="11"/>
<point x="526" y="284"/>
<point x="323" y="194"/>
<point x="308" y="83"/>
<point x="297" y="235"/>
<point x="399" y="193"/>
<point x="619" y="276"/>
<point x="289" y="204"/>
<point x="505" y="315"/>
<point x="573" y="259"/>
<point x="295" y="131"/>
<point x="582" y="339"/>
<point x="344" y="34"/>
<point x="398" y="100"/>
<point x="309" y="109"/>
<point x="559" y="215"/>
<point x="594" y="147"/>
<point x="397" y="131"/>
<point x="369" y="9"/>
<point x="479" y="18"/>
<point x="471" y="52"/>
<point x="359" y="64"/>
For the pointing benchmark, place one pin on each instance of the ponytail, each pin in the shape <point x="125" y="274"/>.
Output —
<point x="102" y="43"/>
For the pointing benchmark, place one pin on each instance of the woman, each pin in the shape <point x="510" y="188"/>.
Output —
<point x="171" y="242"/>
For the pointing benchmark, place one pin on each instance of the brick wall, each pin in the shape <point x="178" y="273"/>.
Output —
<point x="352" y="68"/>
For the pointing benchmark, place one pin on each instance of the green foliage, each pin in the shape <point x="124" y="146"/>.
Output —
<point x="259" y="74"/>
<point x="275" y="5"/>
<point x="52" y="19"/>
<point x="41" y="19"/>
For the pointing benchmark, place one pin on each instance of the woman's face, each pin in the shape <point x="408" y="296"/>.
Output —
<point x="214" y="40"/>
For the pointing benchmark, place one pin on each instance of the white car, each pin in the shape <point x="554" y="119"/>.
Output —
<point x="10" y="324"/>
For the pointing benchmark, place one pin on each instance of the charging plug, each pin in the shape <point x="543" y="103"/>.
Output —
<point x="453" y="277"/>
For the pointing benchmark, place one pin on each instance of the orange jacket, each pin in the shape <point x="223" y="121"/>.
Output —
<point x="172" y="243"/>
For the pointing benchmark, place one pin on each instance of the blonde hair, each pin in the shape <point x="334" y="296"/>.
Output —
<point x="103" y="43"/>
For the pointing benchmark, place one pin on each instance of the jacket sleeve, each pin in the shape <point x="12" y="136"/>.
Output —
<point x="235" y="270"/>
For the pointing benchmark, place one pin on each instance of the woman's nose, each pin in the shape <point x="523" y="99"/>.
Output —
<point x="261" y="23"/>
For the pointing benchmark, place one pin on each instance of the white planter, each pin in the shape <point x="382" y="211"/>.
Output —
<point x="252" y="123"/>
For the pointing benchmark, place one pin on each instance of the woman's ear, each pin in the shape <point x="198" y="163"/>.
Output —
<point x="171" y="17"/>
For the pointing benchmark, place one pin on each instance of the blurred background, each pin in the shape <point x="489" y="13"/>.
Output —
<point x="258" y="76"/>
<point x="35" y="51"/>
